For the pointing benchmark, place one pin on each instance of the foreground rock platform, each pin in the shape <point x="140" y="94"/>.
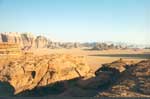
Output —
<point x="31" y="71"/>
<point x="67" y="75"/>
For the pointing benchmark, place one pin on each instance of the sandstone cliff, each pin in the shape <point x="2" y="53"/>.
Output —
<point x="24" y="40"/>
<point x="28" y="41"/>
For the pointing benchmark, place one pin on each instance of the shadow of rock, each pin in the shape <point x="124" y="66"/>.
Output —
<point x="140" y="56"/>
<point x="104" y="78"/>
<point x="69" y="88"/>
<point x="53" y="89"/>
<point x="6" y="89"/>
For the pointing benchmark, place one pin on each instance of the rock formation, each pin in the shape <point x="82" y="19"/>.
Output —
<point x="41" y="42"/>
<point x="103" y="46"/>
<point x="71" y="76"/>
<point x="28" y="41"/>
<point x="104" y="74"/>
<point x="11" y="38"/>
<point x="118" y="66"/>
<point x="9" y="49"/>
<point x="116" y="79"/>
<point x="24" y="40"/>
<point x="28" y="72"/>
<point x="133" y="82"/>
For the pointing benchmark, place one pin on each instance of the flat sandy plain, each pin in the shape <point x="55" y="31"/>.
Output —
<point x="96" y="58"/>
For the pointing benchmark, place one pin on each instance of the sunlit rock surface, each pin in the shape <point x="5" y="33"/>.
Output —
<point x="28" y="72"/>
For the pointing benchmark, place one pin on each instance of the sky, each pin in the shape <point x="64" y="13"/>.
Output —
<point x="79" y="20"/>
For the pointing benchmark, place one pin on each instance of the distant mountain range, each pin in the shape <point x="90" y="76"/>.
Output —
<point x="32" y="41"/>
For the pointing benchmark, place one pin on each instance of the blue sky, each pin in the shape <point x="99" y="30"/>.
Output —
<point x="79" y="20"/>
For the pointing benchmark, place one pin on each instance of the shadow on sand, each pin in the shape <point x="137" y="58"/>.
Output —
<point x="53" y="89"/>
<point x="135" y="56"/>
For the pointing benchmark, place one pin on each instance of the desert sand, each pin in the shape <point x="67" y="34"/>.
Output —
<point x="93" y="60"/>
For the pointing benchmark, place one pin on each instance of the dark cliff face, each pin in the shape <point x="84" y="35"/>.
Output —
<point x="24" y="39"/>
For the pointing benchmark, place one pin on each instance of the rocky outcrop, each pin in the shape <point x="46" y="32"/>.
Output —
<point x="1" y="41"/>
<point x="28" y="41"/>
<point x="103" y="46"/>
<point x="70" y="45"/>
<point x="134" y="82"/>
<point x="11" y="38"/>
<point x="24" y="40"/>
<point x="113" y="81"/>
<point x="103" y="76"/>
<point x="70" y="76"/>
<point x="54" y="45"/>
<point x="41" y="42"/>
<point x="9" y="49"/>
<point x="67" y="45"/>
<point x="116" y="66"/>
<point x="31" y="71"/>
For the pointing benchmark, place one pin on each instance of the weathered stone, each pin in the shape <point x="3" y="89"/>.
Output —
<point x="25" y="40"/>
<point x="133" y="82"/>
<point x="27" y="73"/>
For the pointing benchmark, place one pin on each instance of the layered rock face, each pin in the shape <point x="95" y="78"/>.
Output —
<point x="28" y="41"/>
<point x="24" y="40"/>
<point x="11" y="37"/>
<point x="31" y="71"/>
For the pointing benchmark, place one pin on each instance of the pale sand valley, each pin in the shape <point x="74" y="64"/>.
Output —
<point x="36" y="66"/>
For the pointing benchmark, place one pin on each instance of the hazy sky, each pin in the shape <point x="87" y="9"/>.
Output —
<point x="79" y="20"/>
